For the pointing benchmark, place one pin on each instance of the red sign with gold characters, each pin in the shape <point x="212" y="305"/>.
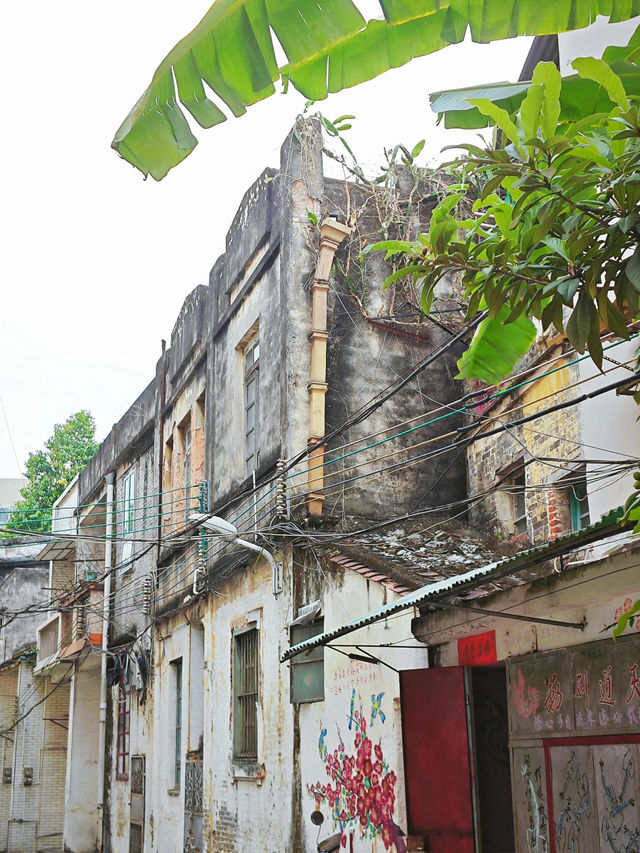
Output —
<point x="477" y="650"/>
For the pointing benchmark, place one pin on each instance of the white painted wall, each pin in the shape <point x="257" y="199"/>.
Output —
<point x="366" y="685"/>
<point x="82" y="821"/>
<point x="610" y="430"/>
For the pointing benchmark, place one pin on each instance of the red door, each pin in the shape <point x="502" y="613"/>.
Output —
<point x="436" y="758"/>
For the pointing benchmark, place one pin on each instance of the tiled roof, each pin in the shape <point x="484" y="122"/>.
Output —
<point x="460" y="585"/>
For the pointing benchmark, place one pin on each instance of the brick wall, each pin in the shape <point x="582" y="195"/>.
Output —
<point x="552" y="435"/>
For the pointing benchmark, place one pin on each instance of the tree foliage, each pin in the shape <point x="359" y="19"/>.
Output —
<point x="228" y="61"/>
<point x="50" y="471"/>
<point x="544" y="225"/>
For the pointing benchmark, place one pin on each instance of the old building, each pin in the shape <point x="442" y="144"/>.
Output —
<point x="297" y="405"/>
<point x="32" y="710"/>
<point x="294" y="555"/>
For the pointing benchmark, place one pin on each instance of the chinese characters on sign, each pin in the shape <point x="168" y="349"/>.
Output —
<point x="592" y="687"/>
<point x="477" y="650"/>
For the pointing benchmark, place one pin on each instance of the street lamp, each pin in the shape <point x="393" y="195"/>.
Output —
<point x="229" y="533"/>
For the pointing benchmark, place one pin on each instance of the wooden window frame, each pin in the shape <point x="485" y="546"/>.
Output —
<point x="123" y="731"/>
<point x="251" y="365"/>
<point x="178" y="718"/>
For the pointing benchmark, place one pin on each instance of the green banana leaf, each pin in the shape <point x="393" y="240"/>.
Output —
<point x="578" y="97"/>
<point x="496" y="348"/>
<point x="329" y="47"/>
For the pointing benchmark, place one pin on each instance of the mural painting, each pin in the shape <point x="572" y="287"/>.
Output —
<point x="361" y="787"/>
<point x="537" y="841"/>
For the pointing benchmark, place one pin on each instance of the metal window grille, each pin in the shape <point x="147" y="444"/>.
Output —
<point x="122" y="736"/>
<point x="178" y="729"/>
<point x="251" y="366"/>
<point x="246" y="681"/>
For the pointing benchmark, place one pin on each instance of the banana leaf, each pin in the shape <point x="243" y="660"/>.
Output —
<point x="496" y="348"/>
<point x="579" y="97"/>
<point x="329" y="47"/>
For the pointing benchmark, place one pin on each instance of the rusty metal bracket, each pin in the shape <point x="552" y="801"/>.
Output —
<point x="502" y="614"/>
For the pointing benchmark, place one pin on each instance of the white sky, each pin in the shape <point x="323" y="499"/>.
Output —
<point x="95" y="262"/>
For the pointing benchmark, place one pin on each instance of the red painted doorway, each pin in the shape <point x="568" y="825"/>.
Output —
<point x="455" y="734"/>
<point x="436" y="758"/>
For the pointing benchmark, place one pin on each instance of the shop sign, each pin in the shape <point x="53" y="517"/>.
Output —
<point x="591" y="689"/>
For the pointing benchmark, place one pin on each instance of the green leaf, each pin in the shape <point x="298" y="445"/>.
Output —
<point x="417" y="148"/>
<point x="590" y="68"/>
<point x="393" y="247"/>
<point x="625" y="618"/>
<point x="632" y="269"/>
<point x="530" y="110"/>
<point x="496" y="348"/>
<point x="499" y="117"/>
<point x="579" y="325"/>
<point x="547" y="75"/>
<point x="410" y="269"/>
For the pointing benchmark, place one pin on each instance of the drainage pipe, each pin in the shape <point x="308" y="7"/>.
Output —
<point x="332" y="233"/>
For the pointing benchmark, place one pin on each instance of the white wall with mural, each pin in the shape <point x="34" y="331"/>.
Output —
<point x="351" y="751"/>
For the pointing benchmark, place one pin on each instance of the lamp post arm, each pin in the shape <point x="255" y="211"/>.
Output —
<point x="275" y="569"/>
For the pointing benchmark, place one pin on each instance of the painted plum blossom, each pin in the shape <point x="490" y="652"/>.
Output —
<point x="360" y="790"/>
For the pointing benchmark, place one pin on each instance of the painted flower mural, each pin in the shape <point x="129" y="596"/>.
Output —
<point x="361" y="788"/>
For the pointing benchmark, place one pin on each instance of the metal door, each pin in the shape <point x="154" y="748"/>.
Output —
<point x="436" y="756"/>
<point x="136" y="818"/>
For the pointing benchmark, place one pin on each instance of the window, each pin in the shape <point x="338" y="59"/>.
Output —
<point x="122" y="737"/>
<point x="578" y="502"/>
<point x="510" y="498"/>
<point x="307" y="670"/>
<point x="186" y="457"/>
<point x="177" y="756"/>
<point x="245" y="695"/>
<point x="517" y="489"/>
<point x="128" y="503"/>
<point x="251" y="358"/>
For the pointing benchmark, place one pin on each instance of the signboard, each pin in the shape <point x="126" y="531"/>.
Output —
<point x="477" y="650"/>
<point x="593" y="689"/>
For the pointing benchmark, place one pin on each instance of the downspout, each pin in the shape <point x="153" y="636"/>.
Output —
<point x="160" y="431"/>
<point x="332" y="233"/>
<point x="108" y="563"/>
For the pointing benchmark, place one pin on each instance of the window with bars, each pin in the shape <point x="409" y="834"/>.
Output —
<point x="251" y="374"/>
<point x="246" y="680"/>
<point x="122" y="736"/>
<point x="177" y="757"/>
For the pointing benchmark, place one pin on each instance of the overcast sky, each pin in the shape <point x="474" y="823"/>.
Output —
<point x="95" y="262"/>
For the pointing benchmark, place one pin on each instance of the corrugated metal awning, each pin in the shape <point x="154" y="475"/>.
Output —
<point x="460" y="584"/>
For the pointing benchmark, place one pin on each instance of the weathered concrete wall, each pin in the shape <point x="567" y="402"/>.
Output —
<point x="23" y="581"/>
